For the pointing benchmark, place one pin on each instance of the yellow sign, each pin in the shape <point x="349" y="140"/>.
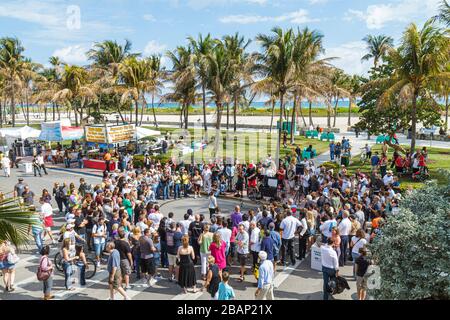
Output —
<point x="95" y="134"/>
<point x="123" y="133"/>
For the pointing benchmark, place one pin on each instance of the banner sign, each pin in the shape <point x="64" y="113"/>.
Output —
<point x="96" y="134"/>
<point x="123" y="133"/>
<point x="72" y="133"/>
<point x="51" y="131"/>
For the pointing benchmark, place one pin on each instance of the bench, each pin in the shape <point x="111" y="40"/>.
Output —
<point x="307" y="154"/>
<point x="327" y="136"/>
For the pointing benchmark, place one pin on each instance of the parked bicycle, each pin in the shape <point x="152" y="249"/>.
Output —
<point x="91" y="267"/>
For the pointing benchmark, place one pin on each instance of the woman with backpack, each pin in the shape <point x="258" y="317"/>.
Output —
<point x="99" y="234"/>
<point x="8" y="260"/>
<point x="45" y="273"/>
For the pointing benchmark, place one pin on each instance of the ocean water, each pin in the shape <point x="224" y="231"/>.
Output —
<point x="256" y="105"/>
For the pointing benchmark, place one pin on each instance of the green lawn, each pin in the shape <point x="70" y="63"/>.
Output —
<point x="437" y="159"/>
<point x="247" y="146"/>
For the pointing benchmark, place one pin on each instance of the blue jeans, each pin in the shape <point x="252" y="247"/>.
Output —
<point x="157" y="189"/>
<point x="344" y="246"/>
<point x="38" y="240"/>
<point x="332" y="155"/>
<point x="67" y="267"/>
<point x="48" y="284"/>
<point x="79" y="242"/>
<point x="82" y="273"/>
<point x="177" y="191"/>
<point x="327" y="274"/>
<point x="80" y="164"/>
<point x="99" y="247"/>
<point x="137" y="265"/>
<point x="165" y="188"/>
<point x="185" y="190"/>
<point x="354" y="256"/>
<point x="164" y="257"/>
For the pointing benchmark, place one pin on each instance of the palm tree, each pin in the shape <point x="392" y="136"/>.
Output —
<point x="136" y="81"/>
<point x="419" y="63"/>
<point x="244" y="65"/>
<point x="29" y="74"/>
<point x="15" y="221"/>
<point x="353" y="86"/>
<point x="334" y="92"/>
<point x="106" y="58"/>
<point x="377" y="47"/>
<point x="11" y="67"/>
<point x="444" y="13"/>
<point x="277" y="66"/>
<point x="158" y="75"/>
<point x="183" y="76"/>
<point x="75" y="90"/>
<point x="309" y="69"/>
<point x="201" y="48"/>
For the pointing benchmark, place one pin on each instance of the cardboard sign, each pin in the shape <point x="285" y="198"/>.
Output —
<point x="96" y="134"/>
<point x="123" y="133"/>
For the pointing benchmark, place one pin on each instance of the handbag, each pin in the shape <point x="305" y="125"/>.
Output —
<point x="42" y="275"/>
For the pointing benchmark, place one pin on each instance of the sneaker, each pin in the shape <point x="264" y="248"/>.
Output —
<point x="127" y="287"/>
<point x="98" y="264"/>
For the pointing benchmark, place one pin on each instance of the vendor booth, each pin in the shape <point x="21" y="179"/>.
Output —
<point x="20" y="137"/>
<point x="101" y="138"/>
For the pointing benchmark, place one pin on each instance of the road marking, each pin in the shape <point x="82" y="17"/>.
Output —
<point x="66" y="294"/>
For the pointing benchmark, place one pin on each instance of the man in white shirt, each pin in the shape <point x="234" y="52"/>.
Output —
<point x="326" y="228"/>
<point x="225" y="235"/>
<point x="360" y="216"/>
<point x="156" y="217"/>
<point x="345" y="226"/>
<point x="6" y="165"/>
<point x="265" y="279"/>
<point x="288" y="227"/>
<point x="207" y="173"/>
<point x="330" y="265"/>
<point x="185" y="224"/>
<point x="388" y="178"/>
<point x="255" y="243"/>
<point x="41" y="162"/>
<point x="47" y="217"/>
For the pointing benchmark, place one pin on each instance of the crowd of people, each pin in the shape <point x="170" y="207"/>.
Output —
<point x="120" y="219"/>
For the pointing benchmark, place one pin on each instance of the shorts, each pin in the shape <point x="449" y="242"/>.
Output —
<point x="172" y="259"/>
<point x="232" y="251"/>
<point x="125" y="267"/>
<point x="361" y="283"/>
<point x="117" y="280"/>
<point x="148" y="266"/>
<point x="242" y="258"/>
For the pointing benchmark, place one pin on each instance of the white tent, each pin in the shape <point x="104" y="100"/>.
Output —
<point x="20" y="132"/>
<point x="143" y="132"/>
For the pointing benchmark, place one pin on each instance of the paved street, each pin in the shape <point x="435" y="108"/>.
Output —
<point x="299" y="282"/>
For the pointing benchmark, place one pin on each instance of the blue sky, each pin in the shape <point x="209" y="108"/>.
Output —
<point x="51" y="27"/>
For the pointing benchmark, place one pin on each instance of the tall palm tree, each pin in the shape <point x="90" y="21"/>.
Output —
<point x="276" y="64"/>
<point x="15" y="221"/>
<point x="158" y="74"/>
<point x="201" y="48"/>
<point x="353" y="86"/>
<point x="377" y="47"/>
<point x="106" y="58"/>
<point x="244" y="65"/>
<point x="75" y="90"/>
<point x="136" y="81"/>
<point x="183" y="77"/>
<point x="419" y="63"/>
<point x="309" y="69"/>
<point x="11" y="67"/>
<point x="29" y="74"/>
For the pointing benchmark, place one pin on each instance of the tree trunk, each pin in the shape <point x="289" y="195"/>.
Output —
<point x="137" y="112"/>
<point x="349" y="122"/>
<point x="294" y="109"/>
<point x="13" y="106"/>
<point x="335" y="112"/>
<point x="53" y="111"/>
<point x="235" y="113"/>
<point x="23" y="111"/>
<point x="280" y="130"/>
<point x="329" y="114"/>
<point x="1" y="114"/>
<point x="120" y="114"/>
<point x="28" y="107"/>
<point x="219" y="115"/>
<point x="446" y="112"/>
<point x="204" y="110"/>
<point x="310" y="113"/>
<point x="181" y="115"/>
<point x="186" y="123"/>
<point x="76" y="116"/>
<point x="228" y="116"/>
<point x="142" y="111"/>
<point x="273" y="113"/>
<point x="413" y="121"/>
<point x="154" y="113"/>
<point x="301" y="111"/>
<point x="45" y="112"/>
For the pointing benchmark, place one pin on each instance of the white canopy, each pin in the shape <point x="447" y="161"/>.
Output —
<point x="143" y="132"/>
<point x="20" y="132"/>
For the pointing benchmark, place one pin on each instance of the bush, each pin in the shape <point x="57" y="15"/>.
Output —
<point x="413" y="251"/>
<point x="331" y="166"/>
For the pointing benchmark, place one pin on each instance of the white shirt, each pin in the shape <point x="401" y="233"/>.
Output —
<point x="254" y="239"/>
<point x="360" y="216"/>
<point x="327" y="226"/>
<point x="225" y="235"/>
<point x="156" y="218"/>
<point x="46" y="209"/>
<point x="289" y="225"/>
<point x="304" y="226"/>
<point x="246" y="225"/>
<point x="358" y="244"/>
<point x="345" y="227"/>
<point x="388" y="179"/>
<point x="329" y="257"/>
<point x="185" y="226"/>
<point x="40" y="160"/>
<point x="100" y="230"/>
<point x="6" y="163"/>
<point x="142" y="225"/>
<point x="212" y="202"/>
